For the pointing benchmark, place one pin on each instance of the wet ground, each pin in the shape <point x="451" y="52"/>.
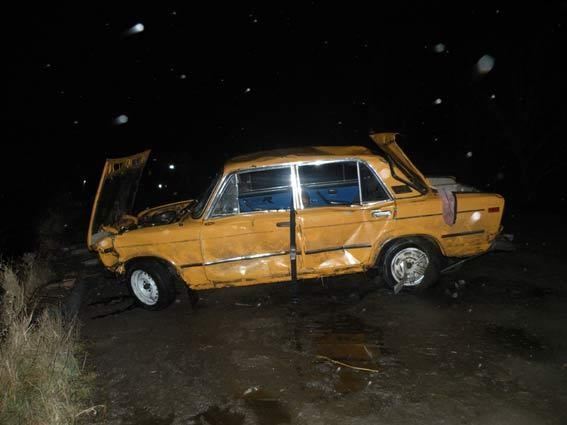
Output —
<point x="488" y="349"/>
<point x="486" y="346"/>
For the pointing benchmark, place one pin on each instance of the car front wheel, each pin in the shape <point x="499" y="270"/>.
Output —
<point x="411" y="264"/>
<point x="151" y="285"/>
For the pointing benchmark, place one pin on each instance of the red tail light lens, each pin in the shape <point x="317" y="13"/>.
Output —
<point x="494" y="209"/>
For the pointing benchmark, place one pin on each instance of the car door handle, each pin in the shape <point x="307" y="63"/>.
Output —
<point x="380" y="213"/>
<point x="283" y="224"/>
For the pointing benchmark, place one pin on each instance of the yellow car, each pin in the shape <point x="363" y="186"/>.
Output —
<point x="282" y="215"/>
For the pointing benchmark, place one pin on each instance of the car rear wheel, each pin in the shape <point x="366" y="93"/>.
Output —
<point x="412" y="264"/>
<point x="151" y="285"/>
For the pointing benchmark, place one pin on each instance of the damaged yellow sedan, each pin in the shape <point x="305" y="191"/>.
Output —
<point x="283" y="215"/>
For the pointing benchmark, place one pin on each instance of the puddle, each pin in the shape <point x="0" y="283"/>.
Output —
<point x="350" y="381"/>
<point x="218" y="416"/>
<point x="514" y="338"/>
<point x="352" y="348"/>
<point x="268" y="410"/>
<point x="349" y="340"/>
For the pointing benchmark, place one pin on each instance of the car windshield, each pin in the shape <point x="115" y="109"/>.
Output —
<point x="204" y="197"/>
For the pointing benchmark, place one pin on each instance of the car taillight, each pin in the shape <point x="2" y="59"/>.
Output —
<point x="494" y="209"/>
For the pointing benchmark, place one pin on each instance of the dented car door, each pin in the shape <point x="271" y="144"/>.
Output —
<point x="245" y="238"/>
<point x="344" y="210"/>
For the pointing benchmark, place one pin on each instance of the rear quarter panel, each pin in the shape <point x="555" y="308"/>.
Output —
<point x="476" y="225"/>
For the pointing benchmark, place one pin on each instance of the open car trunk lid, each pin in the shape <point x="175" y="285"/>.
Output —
<point x="116" y="194"/>
<point x="388" y="144"/>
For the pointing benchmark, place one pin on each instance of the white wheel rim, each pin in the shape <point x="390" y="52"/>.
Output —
<point x="409" y="266"/>
<point x="144" y="287"/>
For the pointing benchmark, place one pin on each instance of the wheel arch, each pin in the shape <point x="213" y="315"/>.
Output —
<point x="413" y="237"/>
<point x="175" y="272"/>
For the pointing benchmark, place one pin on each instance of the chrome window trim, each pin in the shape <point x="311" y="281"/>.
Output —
<point x="212" y="197"/>
<point x="295" y="184"/>
<point x="359" y="182"/>
<point x="216" y="196"/>
<point x="324" y="162"/>
<point x="297" y="202"/>
<point x="358" y="162"/>
<point x="219" y="177"/>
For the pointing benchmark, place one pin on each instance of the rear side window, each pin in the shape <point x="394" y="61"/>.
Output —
<point x="331" y="184"/>
<point x="371" y="189"/>
<point x="265" y="190"/>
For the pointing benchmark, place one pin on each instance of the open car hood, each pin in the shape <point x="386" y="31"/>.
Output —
<point x="116" y="194"/>
<point x="388" y="144"/>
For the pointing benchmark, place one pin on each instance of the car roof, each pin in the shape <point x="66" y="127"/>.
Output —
<point x="288" y="155"/>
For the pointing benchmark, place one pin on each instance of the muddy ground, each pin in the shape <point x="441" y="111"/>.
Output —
<point x="486" y="346"/>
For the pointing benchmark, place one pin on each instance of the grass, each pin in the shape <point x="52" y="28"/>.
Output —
<point x="42" y="377"/>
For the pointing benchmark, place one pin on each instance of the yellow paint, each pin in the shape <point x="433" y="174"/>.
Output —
<point x="330" y="240"/>
<point x="113" y="168"/>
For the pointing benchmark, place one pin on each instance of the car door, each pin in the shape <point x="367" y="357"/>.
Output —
<point x="343" y="210"/>
<point x="245" y="237"/>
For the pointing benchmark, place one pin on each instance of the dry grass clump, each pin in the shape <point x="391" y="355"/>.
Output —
<point x="41" y="377"/>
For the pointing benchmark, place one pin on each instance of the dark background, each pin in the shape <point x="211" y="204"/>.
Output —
<point x="202" y="83"/>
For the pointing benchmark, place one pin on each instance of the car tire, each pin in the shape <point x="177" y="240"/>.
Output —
<point x="414" y="260"/>
<point x="151" y="284"/>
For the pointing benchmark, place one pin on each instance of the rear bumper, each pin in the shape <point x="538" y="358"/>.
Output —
<point x="502" y="243"/>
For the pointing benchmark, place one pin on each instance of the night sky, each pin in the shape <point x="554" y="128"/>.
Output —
<point x="478" y="89"/>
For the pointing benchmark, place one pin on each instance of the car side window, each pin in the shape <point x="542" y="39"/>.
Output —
<point x="329" y="184"/>
<point x="371" y="189"/>
<point x="264" y="190"/>
<point x="227" y="203"/>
